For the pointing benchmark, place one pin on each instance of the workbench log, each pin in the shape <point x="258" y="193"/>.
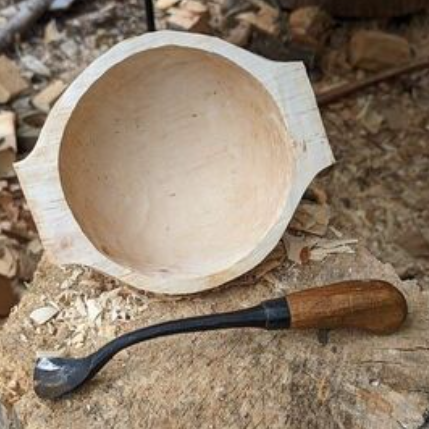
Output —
<point x="238" y="378"/>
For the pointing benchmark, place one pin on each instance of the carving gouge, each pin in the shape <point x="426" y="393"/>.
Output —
<point x="373" y="305"/>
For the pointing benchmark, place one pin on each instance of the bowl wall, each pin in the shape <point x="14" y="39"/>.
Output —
<point x="176" y="161"/>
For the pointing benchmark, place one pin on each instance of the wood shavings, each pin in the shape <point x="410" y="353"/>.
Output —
<point x="89" y="316"/>
<point x="43" y="315"/>
<point x="335" y="231"/>
<point x="302" y="249"/>
<point x="324" y="248"/>
<point x="48" y="354"/>
<point x="94" y="310"/>
<point x="311" y="218"/>
<point x="46" y="98"/>
<point x="310" y="26"/>
<point x="192" y="16"/>
<point x="11" y="82"/>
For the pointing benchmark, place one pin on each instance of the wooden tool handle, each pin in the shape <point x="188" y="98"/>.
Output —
<point x="373" y="305"/>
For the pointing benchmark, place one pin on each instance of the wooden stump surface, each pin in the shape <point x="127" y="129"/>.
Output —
<point x="233" y="379"/>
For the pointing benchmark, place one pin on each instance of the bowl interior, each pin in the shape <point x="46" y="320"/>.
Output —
<point x="176" y="162"/>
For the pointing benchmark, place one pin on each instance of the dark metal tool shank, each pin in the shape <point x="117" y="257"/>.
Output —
<point x="55" y="377"/>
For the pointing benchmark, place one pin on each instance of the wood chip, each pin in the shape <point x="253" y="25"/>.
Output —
<point x="191" y="18"/>
<point x="48" y="354"/>
<point x="94" y="309"/>
<point x="43" y="315"/>
<point x="11" y="82"/>
<point x="165" y="4"/>
<point x="311" y="218"/>
<point x="302" y="249"/>
<point x="61" y="5"/>
<point x="45" y="99"/>
<point x="309" y="26"/>
<point x="7" y="144"/>
<point x="377" y="50"/>
<point x="265" y="20"/>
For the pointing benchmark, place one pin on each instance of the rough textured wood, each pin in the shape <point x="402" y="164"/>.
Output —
<point x="157" y="193"/>
<point x="371" y="305"/>
<point x="235" y="379"/>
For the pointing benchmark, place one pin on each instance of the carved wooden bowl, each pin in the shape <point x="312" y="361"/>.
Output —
<point x="174" y="162"/>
